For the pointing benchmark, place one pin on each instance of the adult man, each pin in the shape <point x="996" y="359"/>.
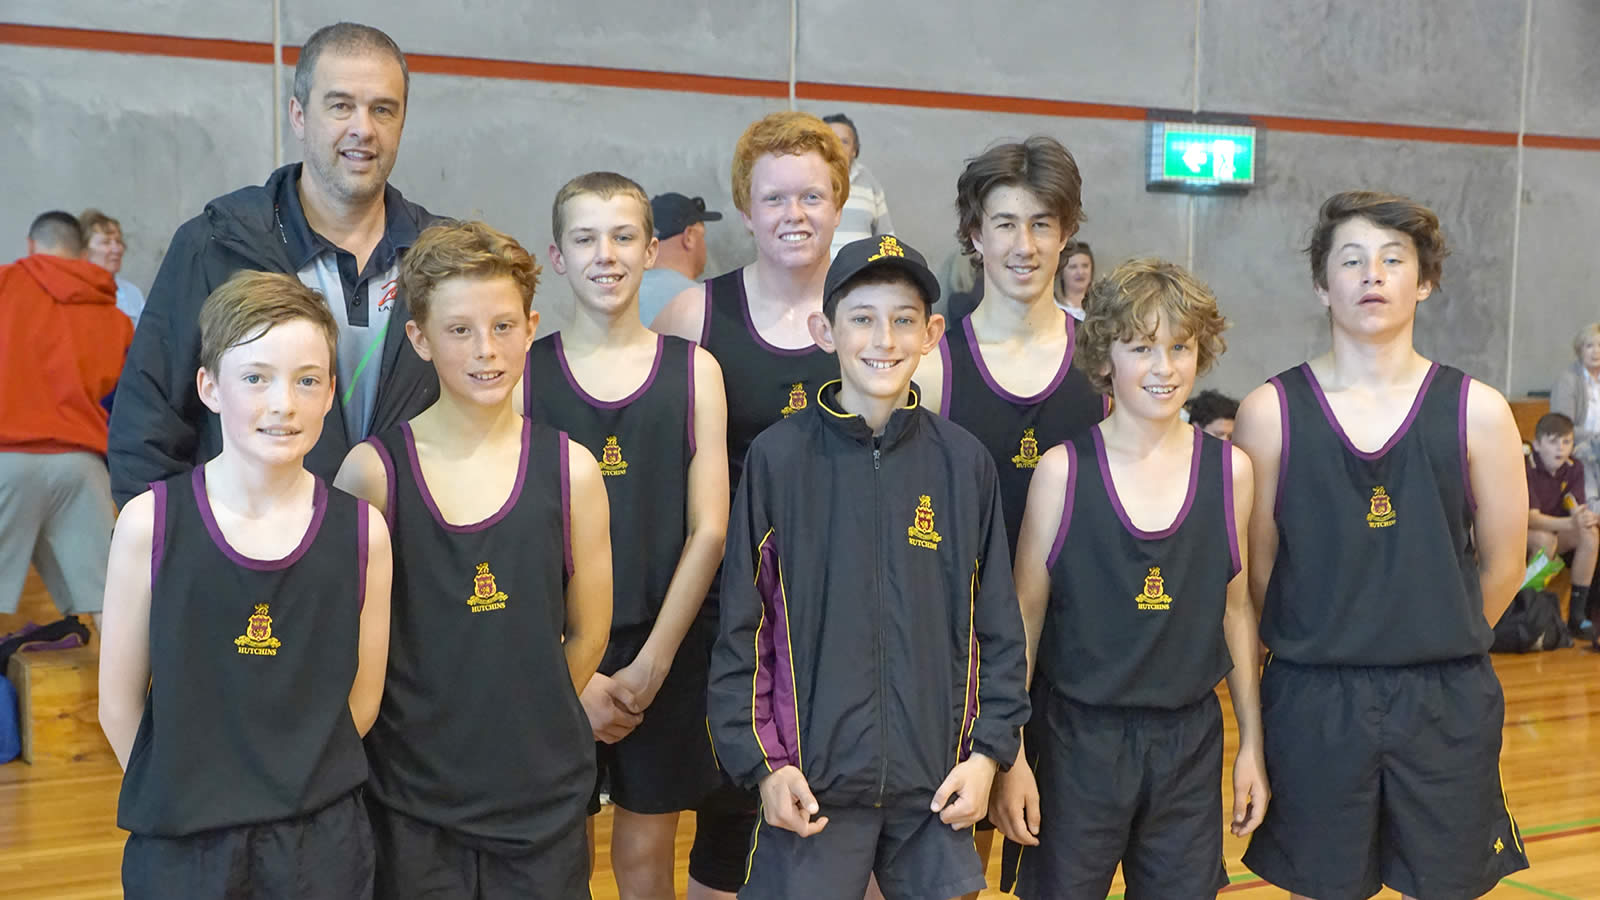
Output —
<point x="335" y="223"/>
<point x="65" y="340"/>
<point x="103" y="246"/>
<point x="866" y="213"/>
<point x="681" y="256"/>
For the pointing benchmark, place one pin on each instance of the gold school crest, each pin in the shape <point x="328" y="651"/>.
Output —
<point x="921" y="533"/>
<point x="797" y="399"/>
<point x="257" y="639"/>
<point x="1154" y="595"/>
<point x="1382" y="512"/>
<point x="1028" y="451"/>
<point x="485" y="596"/>
<point x="611" y="461"/>
<point x="888" y="245"/>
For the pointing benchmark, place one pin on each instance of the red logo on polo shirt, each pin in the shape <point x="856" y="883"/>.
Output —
<point x="391" y="289"/>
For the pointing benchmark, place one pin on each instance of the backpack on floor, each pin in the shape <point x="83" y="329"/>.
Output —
<point x="1532" y="622"/>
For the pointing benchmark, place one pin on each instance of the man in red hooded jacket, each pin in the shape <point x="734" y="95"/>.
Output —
<point x="62" y="340"/>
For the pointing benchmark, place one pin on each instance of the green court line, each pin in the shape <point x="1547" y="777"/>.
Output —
<point x="1536" y="890"/>
<point x="1232" y="879"/>
<point x="1546" y="829"/>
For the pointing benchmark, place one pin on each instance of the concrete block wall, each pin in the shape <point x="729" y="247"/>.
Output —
<point x="1481" y="108"/>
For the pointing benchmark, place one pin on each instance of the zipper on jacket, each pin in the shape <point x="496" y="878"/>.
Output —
<point x="883" y="727"/>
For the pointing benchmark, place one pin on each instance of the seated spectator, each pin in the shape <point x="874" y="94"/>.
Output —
<point x="866" y="210"/>
<point x="681" y="254"/>
<point x="1558" y="521"/>
<point x="103" y="246"/>
<point x="1074" y="277"/>
<point x="55" y="494"/>
<point x="1576" y="395"/>
<point x="1213" y="412"/>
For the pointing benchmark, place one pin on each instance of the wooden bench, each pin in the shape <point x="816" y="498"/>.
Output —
<point x="58" y="702"/>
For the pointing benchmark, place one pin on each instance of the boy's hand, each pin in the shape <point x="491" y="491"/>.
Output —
<point x="1585" y="517"/>
<point x="787" y="802"/>
<point x="1251" y="794"/>
<point x="1014" y="804"/>
<point x="608" y="705"/>
<point x="968" y="783"/>
<point x="642" y="678"/>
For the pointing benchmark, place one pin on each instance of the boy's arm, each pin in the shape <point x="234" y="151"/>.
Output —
<point x="363" y="475"/>
<point x="1041" y="523"/>
<point x="1494" y="468"/>
<point x="999" y="644"/>
<point x="684" y="315"/>
<point x="741" y="692"/>
<point x="125" y="626"/>
<point x="1258" y="431"/>
<point x="366" y="694"/>
<point x="707" y="529"/>
<point x="588" y="625"/>
<point x="1250" y="790"/>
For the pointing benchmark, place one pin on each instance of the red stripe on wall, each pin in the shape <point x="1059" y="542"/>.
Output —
<point x="639" y="79"/>
<point x="129" y="42"/>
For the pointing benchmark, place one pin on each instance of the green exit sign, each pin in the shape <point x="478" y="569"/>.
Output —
<point x="1189" y="156"/>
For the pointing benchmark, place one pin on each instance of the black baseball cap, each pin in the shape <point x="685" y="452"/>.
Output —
<point x="869" y="253"/>
<point x="674" y="213"/>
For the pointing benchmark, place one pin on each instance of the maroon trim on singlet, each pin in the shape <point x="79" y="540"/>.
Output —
<point x="1066" y="505"/>
<point x="362" y="525"/>
<point x="319" y="507"/>
<point x="566" y="506"/>
<point x="427" y="496"/>
<point x="1228" y="519"/>
<point x="158" y="537"/>
<point x="988" y="377"/>
<point x="689" y="423"/>
<point x="585" y="396"/>
<point x="1461" y="429"/>
<point x="1116" y="501"/>
<point x="1283" y="449"/>
<point x="1405" y="426"/>
<point x="947" y="375"/>
<point x="389" y="477"/>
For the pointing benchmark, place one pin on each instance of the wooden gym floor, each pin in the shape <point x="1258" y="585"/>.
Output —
<point x="59" y="840"/>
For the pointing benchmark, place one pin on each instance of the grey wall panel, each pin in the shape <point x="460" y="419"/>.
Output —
<point x="1249" y="250"/>
<point x="506" y="167"/>
<point x="1455" y="64"/>
<point x="708" y="37"/>
<point x="147" y="139"/>
<point x="239" y="20"/>
<point x="1077" y="51"/>
<point x="1563" y="68"/>
<point x="1556" y="283"/>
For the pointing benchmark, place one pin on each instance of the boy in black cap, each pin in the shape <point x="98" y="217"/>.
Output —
<point x="872" y="713"/>
<point x="681" y="255"/>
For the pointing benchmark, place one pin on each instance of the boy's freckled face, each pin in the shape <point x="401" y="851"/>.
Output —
<point x="879" y="333"/>
<point x="1152" y="376"/>
<point x="605" y="250"/>
<point x="272" y="392"/>
<point x="477" y="337"/>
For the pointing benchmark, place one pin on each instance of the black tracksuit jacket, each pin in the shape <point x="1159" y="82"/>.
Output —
<point x="870" y="634"/>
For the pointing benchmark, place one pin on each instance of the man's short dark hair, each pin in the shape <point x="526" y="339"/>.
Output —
<point x="57" y="231"/>
<point x="1555" y="424"/>
<point x="842" y="119"/>
<point x="1208" y="406"/>
<point x="344" y="38"/>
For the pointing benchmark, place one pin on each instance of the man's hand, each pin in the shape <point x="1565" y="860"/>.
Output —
<point x="1251" y="794"/>
<point x="1014" y="804"/>
<point x="787" y="802"/>
<point x="963" y="798"/>
<point x="609" y="705"/>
